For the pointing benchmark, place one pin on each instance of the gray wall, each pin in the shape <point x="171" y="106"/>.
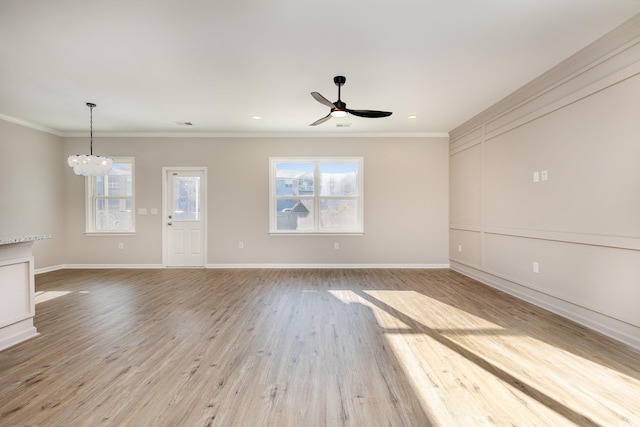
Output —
<point x="31" y="190"/>
<point x="405" y="202"/>
<point x="581" y="123"/>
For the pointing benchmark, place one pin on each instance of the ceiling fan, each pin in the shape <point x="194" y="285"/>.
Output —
<point x="339" y="108"/>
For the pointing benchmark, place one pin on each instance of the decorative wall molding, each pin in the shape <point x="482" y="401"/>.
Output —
<point x="604" y="240"/>
<point x="621" y="331"/>
<point x="614" y="43"/>
<point x="603" y="67"/>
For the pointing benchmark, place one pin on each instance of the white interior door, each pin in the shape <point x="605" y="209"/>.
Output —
<point x="185" y="217"/>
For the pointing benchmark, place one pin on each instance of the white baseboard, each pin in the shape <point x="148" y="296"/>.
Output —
<point x="48" y="269"/>
<point x="96" y="266"/>
<point x="331" y="266"/>
<point x="14" y="334"/>
<point x="248" y="266"/>
<point x="606" y="325"/>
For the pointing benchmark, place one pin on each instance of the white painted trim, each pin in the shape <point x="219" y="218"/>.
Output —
<point x="48" y="269"/>
<point x="337" y="134"/>
<point x="27" y="124"/>
<point x="106" y="266"/>
<point x="602" y="50"/>
<point x="330" y="266"/>
<point x="238" y="266"/>
<point x="592" y="239"/>
<point x="585" y="92"/>
<point x="19" y="336"/>
<point x="613" y="328"/>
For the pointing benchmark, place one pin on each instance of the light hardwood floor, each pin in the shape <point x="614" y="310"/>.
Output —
<point x="372" y="347"/>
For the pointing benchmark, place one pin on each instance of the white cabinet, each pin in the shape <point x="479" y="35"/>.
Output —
<point x="17" y="290"/>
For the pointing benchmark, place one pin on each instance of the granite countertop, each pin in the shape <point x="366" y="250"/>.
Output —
<point x="9" y="240"/>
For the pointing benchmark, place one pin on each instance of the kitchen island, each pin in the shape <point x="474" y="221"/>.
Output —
<point x="17" y="289"/>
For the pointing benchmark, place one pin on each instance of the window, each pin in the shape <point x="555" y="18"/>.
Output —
<point x="110" y="199"/>
<point x="316" y="195"/>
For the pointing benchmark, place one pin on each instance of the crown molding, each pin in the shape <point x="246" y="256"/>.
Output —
<point x="256" y="135"/>
<point x="29" y="125"/>
<point x="607" y="46"/>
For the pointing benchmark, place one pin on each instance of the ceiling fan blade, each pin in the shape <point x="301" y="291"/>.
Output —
<point x="322" y="120"/>
<point x="369" y="113"/>
<point x="322" y="100"/>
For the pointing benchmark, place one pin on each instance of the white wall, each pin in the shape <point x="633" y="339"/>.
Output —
<point x="31" y="190"/>
<point x="581" y="123"/>
<point x="405" y="202"/>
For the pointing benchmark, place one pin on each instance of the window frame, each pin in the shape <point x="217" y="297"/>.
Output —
<point x="91" y="198"/>
<point x="316" y="197"/>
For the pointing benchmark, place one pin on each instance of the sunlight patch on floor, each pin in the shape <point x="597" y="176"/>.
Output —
<point x="43" y="296"/>
<point x="384" y="319"/>
<point x="471" y="369"/>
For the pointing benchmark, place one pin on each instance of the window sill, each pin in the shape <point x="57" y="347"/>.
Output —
<point x="347" y="233"/>
<point x="109" y="233"/>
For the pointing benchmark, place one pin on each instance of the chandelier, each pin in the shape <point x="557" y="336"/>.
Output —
<point x="86" y="165"/>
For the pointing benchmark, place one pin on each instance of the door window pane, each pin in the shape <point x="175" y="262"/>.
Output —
<point x="186" y="198"/>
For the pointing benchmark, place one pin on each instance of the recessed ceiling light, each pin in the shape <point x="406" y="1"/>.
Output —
<point x="412" y="116"/>
<point x="256" y="117"/>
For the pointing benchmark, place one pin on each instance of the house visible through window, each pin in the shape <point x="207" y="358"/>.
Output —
<point x="110" y="199"/>
<point x="316" y="195"/>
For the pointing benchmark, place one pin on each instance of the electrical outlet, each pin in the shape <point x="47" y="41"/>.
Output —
<point x="121" y="245"/>
<point x="536" y="267"/>
<point x="544" y="175"/>
<point x="336" y="245"/>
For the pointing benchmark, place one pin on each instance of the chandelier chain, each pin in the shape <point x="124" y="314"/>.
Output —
<point x="91" y="129"/>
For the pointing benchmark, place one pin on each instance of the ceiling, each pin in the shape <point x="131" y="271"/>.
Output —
<point x="152" y="64"/>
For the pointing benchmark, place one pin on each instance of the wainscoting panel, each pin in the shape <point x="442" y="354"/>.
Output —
<point x="547" y="182"/>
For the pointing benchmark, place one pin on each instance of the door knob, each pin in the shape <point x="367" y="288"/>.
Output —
<point x="169" y="223"/>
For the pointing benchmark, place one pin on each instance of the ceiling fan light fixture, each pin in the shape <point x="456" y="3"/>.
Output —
<point x="338" y="113"/>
